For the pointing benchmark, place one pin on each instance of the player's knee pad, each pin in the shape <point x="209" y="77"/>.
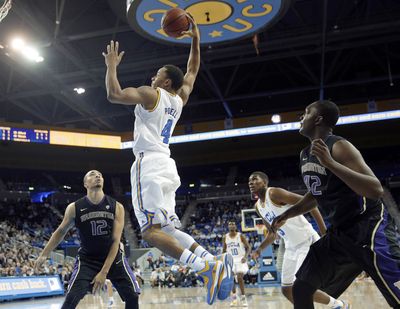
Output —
<point x="184" y="239"/>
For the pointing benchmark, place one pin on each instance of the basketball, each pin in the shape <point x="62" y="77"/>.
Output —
<point x="174" y="22"/>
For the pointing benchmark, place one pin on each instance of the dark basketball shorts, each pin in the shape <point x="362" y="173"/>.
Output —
<point x="338" y="258"/>
<point x="120" y="275"/>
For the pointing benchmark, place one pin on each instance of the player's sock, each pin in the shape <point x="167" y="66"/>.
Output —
<point x="334" y="303"/>
<point x="204" y="254"/>
<point x="192" y="260"/>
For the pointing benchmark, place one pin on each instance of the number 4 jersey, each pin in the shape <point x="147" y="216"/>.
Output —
<point x="335" y="199"/>
<point x="153" y="128"/>
<point x="95" y="224"/>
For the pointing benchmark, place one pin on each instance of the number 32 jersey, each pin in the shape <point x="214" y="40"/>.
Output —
<point x="153" y="128"/>
<point x="336" y="200"/>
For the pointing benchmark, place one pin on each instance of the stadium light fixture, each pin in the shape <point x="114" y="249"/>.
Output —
<point x="17" y="44"/>
<point x="276" y="118"/>
<point x="29" y="52"/>
<point x="79" y="90"/>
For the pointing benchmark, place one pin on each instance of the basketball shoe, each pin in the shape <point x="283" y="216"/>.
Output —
<point x="226" y="282"/>
<point x="211" y="276"/>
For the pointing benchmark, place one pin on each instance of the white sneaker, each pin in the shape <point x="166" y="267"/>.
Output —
<point x="346" y="305"/>
<point x="243" y="301"/>
<point x="234" y="303"/>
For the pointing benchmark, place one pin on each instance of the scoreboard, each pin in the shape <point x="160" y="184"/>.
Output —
<point x="54" y="137"/>
<point x="25" y="135"/>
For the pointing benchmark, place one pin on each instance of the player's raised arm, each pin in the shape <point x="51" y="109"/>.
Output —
<point x="193" y="64"/>
<point x="145" y="95"/>
<point x="58" y="235"/>
<point x="99" y="280"/>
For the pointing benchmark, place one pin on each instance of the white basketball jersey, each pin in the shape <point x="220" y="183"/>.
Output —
<point x="295" y="231"/>
<point x="235" y="246"/>
<point x="154" y="128"/>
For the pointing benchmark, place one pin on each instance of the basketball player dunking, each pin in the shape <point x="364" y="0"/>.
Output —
<point x="298" y="233"/>
<point x="236" y="244"/>
<point x="154" y="177"/>
<point x="99" y="220"/>
<point x="361" y="236"/>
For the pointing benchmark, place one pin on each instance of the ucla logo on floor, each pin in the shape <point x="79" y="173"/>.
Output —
<point x="219" y="21"/>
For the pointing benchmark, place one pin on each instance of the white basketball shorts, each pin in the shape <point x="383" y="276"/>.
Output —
<point x="154" y="180"/>
<point x="240" y="268"/>
<point x="293" y="258"/>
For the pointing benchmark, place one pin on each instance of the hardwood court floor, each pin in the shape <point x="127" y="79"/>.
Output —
<point x="362" y="295"/>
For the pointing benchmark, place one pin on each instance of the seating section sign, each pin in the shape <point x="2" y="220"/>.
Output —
<point x="26" y="287"/>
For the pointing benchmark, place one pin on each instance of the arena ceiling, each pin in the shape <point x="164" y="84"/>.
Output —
<point x="348" y="48"/>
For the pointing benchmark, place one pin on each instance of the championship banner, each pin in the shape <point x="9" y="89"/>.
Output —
<point x="27" y="287"/>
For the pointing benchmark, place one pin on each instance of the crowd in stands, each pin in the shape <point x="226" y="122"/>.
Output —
<point x="24" y="228"/>
<point x="18" y="256"/>
<point x="209" y="223"/>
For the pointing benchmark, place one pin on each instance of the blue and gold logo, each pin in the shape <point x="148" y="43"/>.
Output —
<point x="219" y="21"/>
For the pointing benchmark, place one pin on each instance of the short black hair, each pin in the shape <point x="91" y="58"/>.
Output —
<point x="175" y="74"/>
<point x="329" y="112"/>
<point x="262" y="175"/>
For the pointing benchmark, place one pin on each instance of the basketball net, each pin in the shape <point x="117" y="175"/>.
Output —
<point x="5" y="8"/>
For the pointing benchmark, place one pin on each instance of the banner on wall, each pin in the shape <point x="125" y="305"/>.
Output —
<point x="27" y="287"/>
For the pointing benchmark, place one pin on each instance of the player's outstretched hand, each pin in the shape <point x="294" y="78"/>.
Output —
<point x="194" y="31"/>
<point x="98" y="282"/>
<point x="321" y="151"/>
<point x="39" y="263"/>
<point x="113" y="57"/>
